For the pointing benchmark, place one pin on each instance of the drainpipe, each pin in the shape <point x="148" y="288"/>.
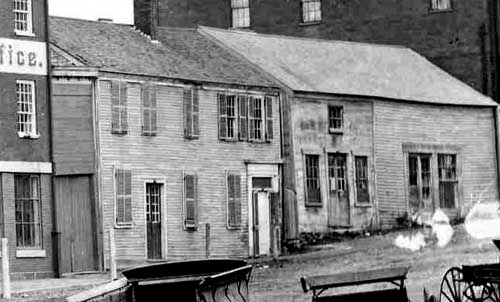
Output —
<point x="55" y="230"/>
<point x="497" y="146"/>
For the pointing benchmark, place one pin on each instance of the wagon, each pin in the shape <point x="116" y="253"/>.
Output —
<point x="475" y="283"/>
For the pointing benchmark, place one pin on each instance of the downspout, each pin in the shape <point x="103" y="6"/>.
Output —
<point x="497" y="146"/>
<point x="55" y="229"/>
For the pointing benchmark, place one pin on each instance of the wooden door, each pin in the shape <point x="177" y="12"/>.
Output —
<point x="338" y="208"/>
<point x="262" y="223"/>
<point x="420" y="182"/>
<point x="76" y="221"/>
<point x="153" y="220"/>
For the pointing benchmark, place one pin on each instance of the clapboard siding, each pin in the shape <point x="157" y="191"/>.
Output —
<point x="73" y="134"/>
<point x="469" y="127"/>
<point x="164" y="157"/>
<point x="311" y="135"/>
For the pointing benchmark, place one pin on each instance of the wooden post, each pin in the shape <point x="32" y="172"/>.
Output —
<point x="112" y="255"/>
<point x="5" y="269"/>
<point x="207" y="240"/>
<point x="276" y="241"/>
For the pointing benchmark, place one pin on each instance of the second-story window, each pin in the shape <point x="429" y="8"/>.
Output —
<point x="119" y="114"/>
<point x="311" y="11"/>
<point x="438" y="5"/>
<point x="23" y="17"/>
<point x="255" y="119"/>
<point x="191" y="113"/>
<point x="26" y="109"/>
<point x="335" y="118"/>
<point x="240" y="13"/>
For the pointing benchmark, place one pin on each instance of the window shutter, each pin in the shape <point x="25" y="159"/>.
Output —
<point x="196" y="112"/>
<point x="123" y="108"/>
<point x="251" y="116"/>
<point x="222" y="116"/>
<point x="243" y="117"/>
<point x="115" y="106"/>
<point x="188" y="116"/>
<point x="123" y="196"/>
<point x="237" y="199"/>
<point x="269" y="118"/>
<point x="190" y="191"/>
<point x="146" y="113"/>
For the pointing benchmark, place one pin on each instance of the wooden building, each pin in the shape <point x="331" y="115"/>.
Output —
<point x="372" y="133"/>
<point x="25" y="146"/>
<point x="157" y="140"/>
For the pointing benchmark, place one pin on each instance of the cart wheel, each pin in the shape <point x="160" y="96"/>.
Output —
<point x="451" y="286"/>
<point x="490" y="292"/>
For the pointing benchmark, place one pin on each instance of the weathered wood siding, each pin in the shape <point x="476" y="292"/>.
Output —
<point x="471" y="128"/>
<point x="164" y="158"/>
<point x="73" y="134"/>
<point x="311" y="135"/>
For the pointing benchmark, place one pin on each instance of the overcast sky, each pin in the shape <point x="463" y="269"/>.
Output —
<point x="121" y="11"/>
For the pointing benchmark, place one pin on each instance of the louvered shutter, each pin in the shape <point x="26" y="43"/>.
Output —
<point x="269" y="118"/>
<point x="123" y="196"/>
<point x="146" y="113"/>
<point x="188" y="116"/>
<point x="123" y="108"/>
<point x="251" y="117"/>
<point x="237" y="199"/>
<point x="115" y="106"/>
<point x="243" y="117"/>
<point x="196" y="112"/>
<point x="153" y="109"/>
<point x="128" y="196"/>
<point x="190" y="191"/>
<point x="222" y="116"/>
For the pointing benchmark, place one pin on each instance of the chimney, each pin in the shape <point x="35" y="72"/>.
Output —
<point x="105" y="20"/>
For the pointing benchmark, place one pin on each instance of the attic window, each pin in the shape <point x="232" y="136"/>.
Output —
<point x="311" y="11"/>
<point x="241" y="13"/>
<point x="440" y="5"/>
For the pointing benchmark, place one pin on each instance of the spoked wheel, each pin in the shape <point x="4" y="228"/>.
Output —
<point x="452" y="286"/>
<point x="490" y="293"/>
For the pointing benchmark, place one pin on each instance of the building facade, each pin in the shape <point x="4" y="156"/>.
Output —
<point x="25" y="148"/>
<point x="460" y="37"/>
<point x="185" y="159"/>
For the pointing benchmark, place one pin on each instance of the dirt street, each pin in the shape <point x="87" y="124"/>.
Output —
<point x="279" y="281"/>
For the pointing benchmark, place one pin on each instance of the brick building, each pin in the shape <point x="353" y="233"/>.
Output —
<point x="367" y="139"/>
<point x="171" y="137"/>
<point x="25" y="146"/>
<point x="459" y="36"/>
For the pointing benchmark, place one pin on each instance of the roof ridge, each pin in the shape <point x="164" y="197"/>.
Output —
<point x="330" y="41"/>
<point x="89" y="21"/>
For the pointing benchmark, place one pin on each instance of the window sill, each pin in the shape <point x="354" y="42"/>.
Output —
<point x="31" y="254"/>
<point x="314" y="205"/>
<point x="335" y="131"/>
<point x="28" y="135"/>
<point x="310" y="23"/>
<point x="190" y="228"/>
<point x="24" y="33"/>
<point x="363" y="205"/>
<point x="149" y="134"/>
<point x="234" y="227"/>
<point x="440" y="11"/>
<point x="124" y="226"/>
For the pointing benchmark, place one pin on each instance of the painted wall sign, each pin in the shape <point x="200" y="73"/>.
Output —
<point x="25" y="57"/>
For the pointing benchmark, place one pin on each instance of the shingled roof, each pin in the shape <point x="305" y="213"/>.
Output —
<point x="348" y="68"/>
<point x="121" y="48"/>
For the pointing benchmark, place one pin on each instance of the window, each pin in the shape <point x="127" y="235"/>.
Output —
<point x="336" y="118"/>
<point x="26" y="109"/>
<point x="419" y="180"/>
<point x="241" y="13"/>
<point x="233" y="200"/>
<point x="28" y="211"/>
<point x="311" y="11"/>
<point x="149" y="111"/>
<point x="245" y="117"/>
<point x="438" y="5"/>
<point x="362" y="195"/>
<point x="448" y="183"/>
<point x="23" y="19"/>
<point x="119" y="107"/>
<point x="190" y="201"/>
<point x="191" y="113"/>
<point x="313" y="192"/>
<point x="123" y="185"/>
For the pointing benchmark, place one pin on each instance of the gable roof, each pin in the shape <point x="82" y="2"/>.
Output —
<point x="349" y="68"/>
<point x="121" y="48"/>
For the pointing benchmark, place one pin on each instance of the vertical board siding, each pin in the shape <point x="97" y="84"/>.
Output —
<point x="165" y="157"/>
<point x="310" y="126"/>
<point x="398" y="123"/>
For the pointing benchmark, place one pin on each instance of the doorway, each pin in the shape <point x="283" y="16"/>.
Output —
<point x="153" y="220"/>
<point x="338" y="209"/>
<point x="261" y="223"/>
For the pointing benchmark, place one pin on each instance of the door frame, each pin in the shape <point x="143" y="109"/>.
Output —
<point x="349" y="183"/>
<point x="258" y="170"/>
<point x="163" y="212"/>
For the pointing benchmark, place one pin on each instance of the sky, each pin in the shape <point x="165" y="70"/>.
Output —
<point x="121" y="11"/>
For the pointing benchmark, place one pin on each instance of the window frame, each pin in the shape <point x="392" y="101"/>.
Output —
<point x="124" y="224"/>
<point x="230" y="226"/>
<point x="253" y="119"/>
<point x="149" y="91"/>
<point x="122" y="107"/>
<point x="38" y="227"/>
<point x="455" y="180"/>
<point x="191" y="112"/>
<point x="357" y="180"/>
<point x="246" y="21"/>
<point x="331" y="126"/>
<point x="33" y="132"/>
<point x="306" y="18"/>
<point x="307" y="202"/>
<point x="29" y="18"/>
<point x="195" y="224"/>
<point x="436" y="9"/>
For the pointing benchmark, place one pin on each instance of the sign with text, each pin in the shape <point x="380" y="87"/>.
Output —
<point x="25" y="57"/>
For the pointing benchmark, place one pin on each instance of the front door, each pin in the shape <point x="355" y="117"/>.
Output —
<point x="261" y="223"/>
<point x="419" y="181"/>
<point x="338" y="209"/>
<point x="153" y="220"/>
